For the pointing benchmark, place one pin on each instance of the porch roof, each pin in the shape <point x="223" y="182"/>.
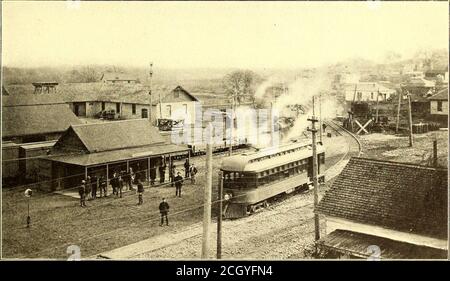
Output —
<point x="91" y="159"/>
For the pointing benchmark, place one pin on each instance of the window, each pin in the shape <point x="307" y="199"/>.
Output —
<point x="371" y="96"/>
<point x="176" y="94"/>
<point x="133" y="109"/>
<point x="439" y="106"/>
<point x="103" y="105"/>
<point x="144" y="113"/>
<point x="185" y="109"/>
<point x="118" y="107"/>
<point x="169" y="110"/>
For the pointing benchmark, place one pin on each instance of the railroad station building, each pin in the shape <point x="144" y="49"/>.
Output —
<point x="105" y="148"/>
<point x="399" y="208"/>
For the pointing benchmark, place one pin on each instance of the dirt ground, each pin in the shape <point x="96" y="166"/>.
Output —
<point x="396" y="148"/>
<point x="110" y="223"/>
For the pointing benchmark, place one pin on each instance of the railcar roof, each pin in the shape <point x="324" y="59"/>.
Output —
<point x="246" y="162"/>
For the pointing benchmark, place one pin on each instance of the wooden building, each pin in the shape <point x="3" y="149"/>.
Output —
<point x="398" y="207"/>
<point x="107" y="147"/>
<point x="439" y="107"/>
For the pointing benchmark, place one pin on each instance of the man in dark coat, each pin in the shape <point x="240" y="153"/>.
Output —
<point x="114" y="183"/>
<point x="120" y="186"/>
<point x="102" y="186"/>
<point x="186" y="168"/>
<point x="172" y="174"/>
<point x="82" y="193"/>
<point x="178" y="184"/>
<point x="162" y="172"/>
<point x="94" y="186"/>
<point x="127" y="180"/>
<point x="164" y="209"/>
<point x="140" y="190"/>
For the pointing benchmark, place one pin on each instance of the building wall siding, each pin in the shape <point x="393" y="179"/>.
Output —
<point x="178" y="111"/>
<point x="434" y="107"/>
<point x="333" y="223"/>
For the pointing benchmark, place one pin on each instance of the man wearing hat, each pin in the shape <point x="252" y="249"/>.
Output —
<point x="82" y="193"/>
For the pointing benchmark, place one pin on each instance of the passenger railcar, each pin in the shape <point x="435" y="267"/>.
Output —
<point x="251" y="179"/>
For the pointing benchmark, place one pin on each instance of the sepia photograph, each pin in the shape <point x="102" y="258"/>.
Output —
<point x="224" y="130"/>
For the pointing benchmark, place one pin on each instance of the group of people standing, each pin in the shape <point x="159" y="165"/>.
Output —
<point x="120" y="180"/>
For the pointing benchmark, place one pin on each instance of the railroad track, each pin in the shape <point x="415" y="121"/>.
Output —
<point x="287" y="204"/>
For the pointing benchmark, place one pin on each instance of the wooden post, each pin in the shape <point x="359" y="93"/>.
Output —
<point x="148" y="170"/>
<point x="207" y="196"/>
<point x="313" y="130"/>
<point x="107" y="175"/>
<point x="320" y="118"/>
<point x="150" y="111"/>
<point x="435" y="153"/>
<point x="398" y="112"/>
<point x="219" y="218"/>
<point x="230" y="152"/>
<point x="376" y="116"/>
<point x="411" y="141"/>
<point x="271" y="123"/>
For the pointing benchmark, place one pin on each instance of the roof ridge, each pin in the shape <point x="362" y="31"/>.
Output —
<point x="113" y="122"/>
<point x="395" y="163"/>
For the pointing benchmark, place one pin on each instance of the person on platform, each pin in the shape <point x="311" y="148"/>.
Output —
<point x="178" y="184"/>
<point x="186" y="168"/>
<point x="114" y="183"/>
<point x="164" y="210"/>
<point x="127" y="180"/>
<point x="120" y="181"/>
<point x="193" y="171"/>
<point x="82" y="193"/>
<point x="172" y="174"/>
<point x="140" y="190"/>
<point x="102" y="185"/>
<point x="162" y="172"/>
<point x="94" y="186"/>
<point x="88" y="191"/>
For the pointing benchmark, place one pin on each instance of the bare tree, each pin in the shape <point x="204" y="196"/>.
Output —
<point x="240" y="85"/>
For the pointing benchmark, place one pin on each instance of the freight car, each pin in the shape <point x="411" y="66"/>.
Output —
<point x="252" y="179"/>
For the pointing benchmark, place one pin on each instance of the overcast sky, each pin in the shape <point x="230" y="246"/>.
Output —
<point x="213" y="34"/>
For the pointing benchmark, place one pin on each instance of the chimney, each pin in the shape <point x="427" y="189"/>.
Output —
<point x="42" y="87"/>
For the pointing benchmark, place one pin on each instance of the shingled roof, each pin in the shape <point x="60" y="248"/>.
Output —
<point x="36" y="119"/>
<point x="98" y="91"/>
<point x="399" y="196"/>
<point x="441" y="95"/>
<point x="105" y="136"/>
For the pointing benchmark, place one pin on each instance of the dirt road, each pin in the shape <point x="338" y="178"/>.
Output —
<point x="284" y="230"/>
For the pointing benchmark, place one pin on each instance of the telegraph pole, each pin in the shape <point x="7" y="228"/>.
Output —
<point x="411" y="141"/>
<point x="207" y="195"/>
<point x="320" y="118"/>
<point x="150" y="94"/>
<point x="398" y="112"/>
<point x="313" y="130"/>
<point x="376" y="118"/>
<point x="219" y="218"/>
<point x="271" y="124"/>
<point x="230" y="152"/>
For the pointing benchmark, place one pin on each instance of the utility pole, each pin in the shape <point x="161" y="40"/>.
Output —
<point x="398" y="112"/>
<point x="230" y="152"/>
<point x="320" y="118"/>
<point x="313" y="130"/>
<point x="150" y="94"/>
<point x="271" y="123"/>
<point x="219" y="218"/>
<point x="207" y="195"/>
<point x="411" y="141"/>
<point x="435" y="153"/>
<point x="376" y="116"/>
